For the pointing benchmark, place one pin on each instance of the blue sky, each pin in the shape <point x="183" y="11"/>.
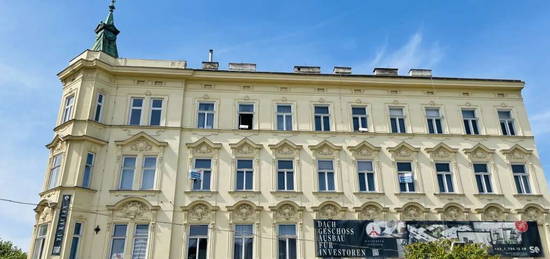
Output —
<point x="489" y="38"/>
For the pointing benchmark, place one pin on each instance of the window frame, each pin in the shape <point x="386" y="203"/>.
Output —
<point x="285" y="117"/>
<point x="123" y="238"/>
<point x="398" y="119"/>
<point x="484" y="176"/>
<point x="243" y="239"/>
<point x="142" y="171"/>
<point x="88" y="172"/>
<point x="525" y="186"/>
<point x="135" y="237"/>
<point x="322" y="117"/>
<point x="253" y="113"/>
<point x="245" y="171"/>
<point x="152" y="109"/>
<point x="432" y="120"/>
<point x="407" y="185"/>
<point x="138" y="172"/>
<point x="286" y="172"/>
<point x="202" y="189"/>
<point x="508" y="124"/>
<point x="471" y="128"/>
<point x="199" y="238"/>
<point x="68" y="108"/>
<point x="99" y="107"/>
<point x="52" y="183"/>
<point x="446" y="177"/>
<point x="358" y="117"/>
<point x="365" y="174"/>
<point x="286" y="239"/>
<point x="39" y="237"/>
<point x="326" y="173"/>
<point x="78" y="236"/>
<point x="132" y="107"/>
<point x="206" y="113"/>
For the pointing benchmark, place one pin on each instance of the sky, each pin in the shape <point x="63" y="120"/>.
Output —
<point x="467" y="38"/>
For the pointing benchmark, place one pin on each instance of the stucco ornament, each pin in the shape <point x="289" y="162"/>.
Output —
<point x="493" y="213"/>
<point x="480" y="154"/>
<point x="286" y="212"/>
<point x="453" y="213"/>
<point x="246" y="147"/>
<point x="325" y="149"/>
<point x="244" y="212"/>
<point x="140" y="146"/>
<point x="285" y="148"/>
<point x="532" y="214"/>
<point x="412" y="212"/>
<point x="133" y="210"/>
<point x="370" y="212"/>
<point x="329" y="211"/>
<point x="199" y="212"/>
<point x="203" y="149"/>
<point x="403" y="151"/>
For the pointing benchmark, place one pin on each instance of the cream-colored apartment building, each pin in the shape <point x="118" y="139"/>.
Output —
<point x="157" y="160"/>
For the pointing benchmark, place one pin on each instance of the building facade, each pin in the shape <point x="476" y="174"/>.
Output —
<point x="151" y="159"/>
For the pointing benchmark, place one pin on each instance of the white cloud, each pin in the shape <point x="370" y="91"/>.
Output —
<point x="415" y="53"/>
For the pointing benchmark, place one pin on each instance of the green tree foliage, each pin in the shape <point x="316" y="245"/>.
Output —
<point x="443" y="249"/>
<point x="10" y="251"/>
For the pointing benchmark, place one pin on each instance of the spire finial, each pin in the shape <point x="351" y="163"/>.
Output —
<point x="106" y="33"/>
<point x="112" y="6"/>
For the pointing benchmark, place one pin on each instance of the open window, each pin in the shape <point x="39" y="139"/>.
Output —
<point x="246" y="116"/>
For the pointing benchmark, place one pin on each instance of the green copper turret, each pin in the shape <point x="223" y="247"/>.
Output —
<point x="106" y="34"/>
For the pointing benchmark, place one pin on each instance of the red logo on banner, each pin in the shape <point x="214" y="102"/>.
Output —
<point x="521" y="226"/>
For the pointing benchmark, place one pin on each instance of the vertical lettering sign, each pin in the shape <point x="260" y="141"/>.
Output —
<point x="61" y="225"/>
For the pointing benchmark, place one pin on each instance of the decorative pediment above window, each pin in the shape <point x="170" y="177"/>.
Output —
<point x="45" y="210"/>
<point x="403" y="151"/>
<point x="412" y="211"/>
<point x="364" y="150"/>
<point x="371" y="211"/>
<point x="325" y="149"/>
<point x="203" y="147"/>
<point x="533" y="212"/>
<point x="134" y="209"/>
<point x="57" y="144"/>
<point x="441" y="152"/>
<point x="141" y="142"/>
<point x="287" y="211"/>
<point x="200" y="212"/>
<point x="330" y="210"/>
<point x="493" y="212"/>
<point x="244" y="212"/>
<point x="286" y="148"/>
<point x="245" y="148"/>
<point x="453" y="211"/>
<point x="517" y="153"/>
<point x="479" y="152"/>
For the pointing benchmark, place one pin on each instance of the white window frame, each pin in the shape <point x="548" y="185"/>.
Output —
<point x="139" y="168"/>
<point x="326" y="172"/>
<point x="68" y="108"/>
<point x="122" y="168"/>
<point x="245" y="171"/>
<point x="444" y="175"/>
<point x="135" y="237"/>
<point x="39" y="251"/>
<point x="54" y="181"/>
<point x="399" y="173"/>
<point x="507" y="122"/>
<point x="142" y="172"/>
<point x="286" y="172"/>
<point x="286" y="238"/>
<point x="140" y="108"/>
<point x="524" y="180"/>
<point x="323" y="117"/>
<point x="365" y="173"/>
<point x="78" y="236"/>
<point x="206" y="113"/>
<point x="243" y="238"/>
<point x="358" y="117"/>
<point x="202" y="175"/>
<point x="470" y="122"/>
<point x="90" y="168"/>
<point x="239" y="115"/>
<point x="398" y="118"/>
<point x="483" y="177"/>
<point x="98" y="112"/>
<point x="151" y="109"/>
<point x="199" y="238"/>
<point x="113" y="237"/>
<point x="284" y="114"/>
<point x="431" y="120"/>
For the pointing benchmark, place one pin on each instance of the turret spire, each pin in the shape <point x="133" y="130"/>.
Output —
<point x="106" y="34"/>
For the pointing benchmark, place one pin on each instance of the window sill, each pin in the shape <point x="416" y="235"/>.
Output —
<point x="449" y="194"/>
<point x="409" y="194"/>
<point x="487" y="195"/>
<point x="528" y="196"/>
<point x="200" y="194"/>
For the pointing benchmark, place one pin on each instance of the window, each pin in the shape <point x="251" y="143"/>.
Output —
<point x="198" y="242"/>
<point x="204" y="166"/>
<point x="406" y="178"/>
<point x="117" y="241"/>
<point x="205" y="116"/>
<point x="366" y="176"/>
<point x="434" y="121"/>
<point x="77" y="234"/>
<point x="359" y="118"/>
<point x="68" y="109"/>
<point x="521" y="178"/>
<point x="506" y="123"/>
<point x="136" y="105"/>
<point x="285" y="175"/>
<point x="246" y="116"/>
<point x="128" y="170"/>
<point x="55" y="167"/>
<point x="470" y="122"/>
<point x="284" y="117"/>
<point x="244" y="236"/>
<point x="88" y="168"/>
<point x="99" y="107"/>
<point x="287" y="242"/>
<point x="397" y="120"/>
<point x="326" y="175"/>
<point x="141" y="236"/>
<point x="156" y="112"/>
<point x="39" y="241"/>
<point x="483" y="178"/>
<point x="148" y="175"/>
<point x="322" y="118"/>
<point x="444" y="177"/>
<point x="245" y="174"/>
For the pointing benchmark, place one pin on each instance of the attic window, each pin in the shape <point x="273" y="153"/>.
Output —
<point x="246" y="87"/>
<point x="321" y="90"/>
<point x="246" y="116"/>
<point x="140" y="82"/>
<point x="159" y="83"/>
<point x="357" y="91"/>
<point x="283" y="89"/>
<point x="207" y="86"/>
<point x="394" y="92"/>
<point x="430" y="92"/>
<point x="501" y="95"/>
<point x="465" y="94"/>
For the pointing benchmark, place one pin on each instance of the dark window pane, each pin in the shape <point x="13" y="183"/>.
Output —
<point x="405" y="167"/>
<point x="137" y="102"/>
<point x="358" y="111"/>
<point x="438" y="125"/>
<point x="201" y="122"/>
<point x="511" y="127"/>
<point x="281" y="181"/>
<point x="240" y="180"/>
<point x="325" y="165"/>
<point x="244" y="164"/>
<point x="206" y="179"/>
<point x="442" y="167"/>
<point x="248" y="248"/>
<point x="364" y="165"/>
<point x="480" y="167"/>
<point x="202" y="163"/>
<point x="450" y="186"/>
<point x="246" y="108"/>
<point x="518" y="169"/>
<point x="330" y="181"/>
<point x="292" y="248"/>
<point x="157" y="103"/>
<point x="526" y="185"/>
<point x="430" y="126"/>
<point x="440" y="182"/>
<point x="238" y="248"/>
<point x="370" y="181"/>
<point x="203" y="245"/>
<point x="206" y="106"/>
<point x="468" y="114"/>
<point x="321" y="109"/>
<point x="355" y="123"/>
<point x="290" y="181"/>
<point x="467" y="127"/>
<point x="249" y="181"/>
<point x="479" y="184"/>
<point x="402" y="125"/>
<point x="402" y="187"/>
<point x="284" y="108"/>
<point x="318" y="123"/>
<point x="518" y="184"/>
<point x="282" y="249"/>
<point x="474" y="125"/>
<point x="393" y="123"/>
<point x="503" y="128"/>
<point x="280" y="122"/>
<point x="285" y="164"/>
<point x="411" y="187"/>
<point x="288" y="122"/>
<point x="488" y="183"/>
<point x="198" y="230"/>
<point x="74" y="248"/>
<point x="322" y="186"/>
<point x="364" y="122"/>
<point x="245" y="120"/>
<point x="326" y="124"/>
<point x="362" y="182"/>
<point x="135" y="117"/>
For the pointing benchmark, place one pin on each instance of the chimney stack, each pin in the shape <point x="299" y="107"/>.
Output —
<point x="249" y="67"/>
<point x="210" y="64"/>
<point x="210" y="55"/>
<point x="341" y="70"/>
<point x="381" y="71"/>
<point x="307" y="70"/>
<point x="420" y="72"/>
